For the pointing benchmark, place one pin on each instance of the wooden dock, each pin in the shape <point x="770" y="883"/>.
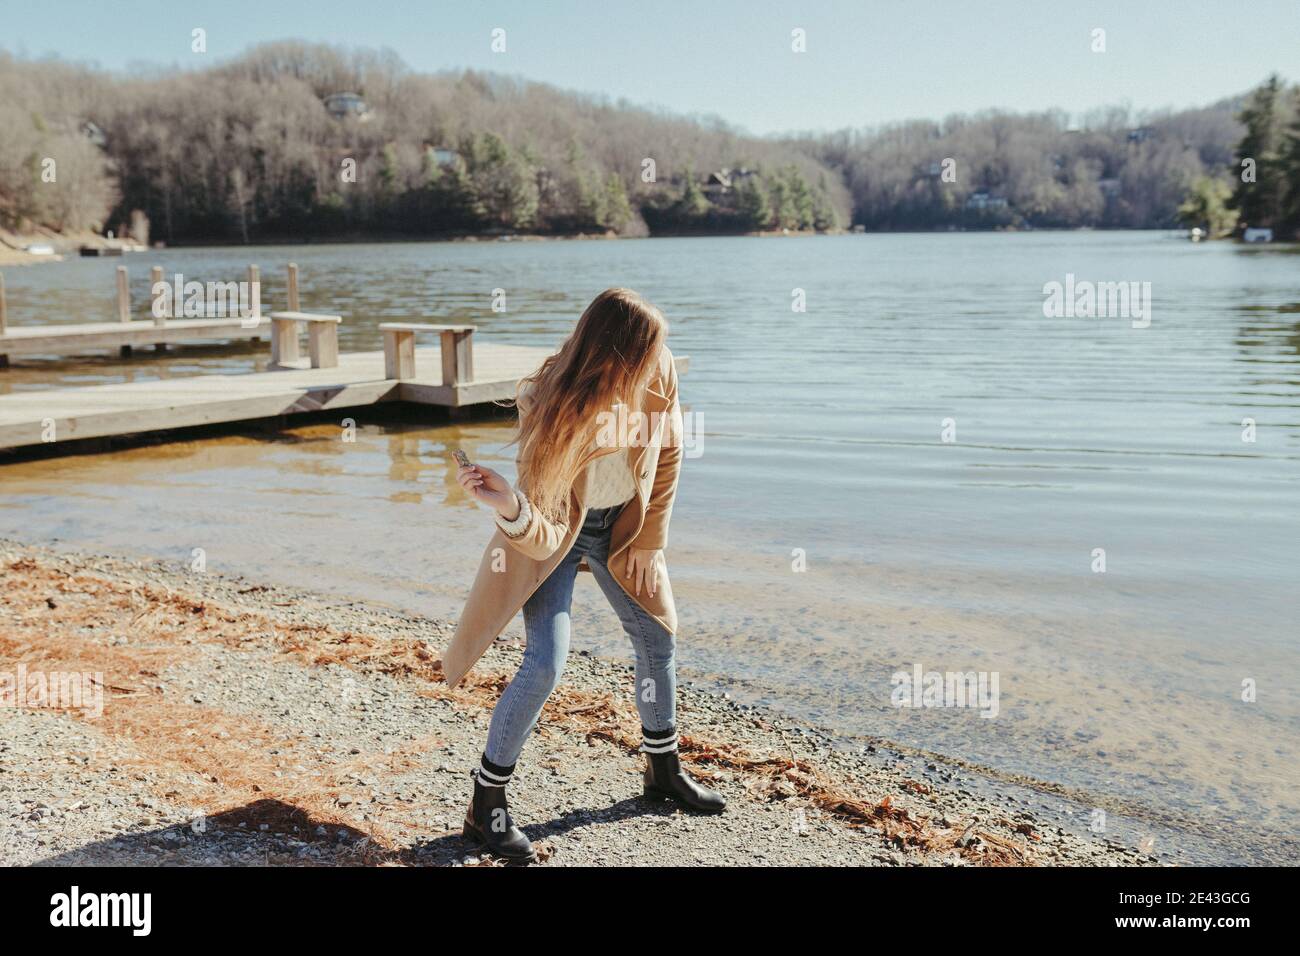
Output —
<point x="126" y="334"/>
<point x="457" y="372"/>
<point x="91" y="336"/>
<point x="360" y="379"/>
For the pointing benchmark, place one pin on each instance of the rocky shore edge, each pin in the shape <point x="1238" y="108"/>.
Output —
<point x="248" y="724"/>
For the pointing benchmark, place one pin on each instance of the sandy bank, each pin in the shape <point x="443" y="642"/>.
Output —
<point x="246" y="724"/>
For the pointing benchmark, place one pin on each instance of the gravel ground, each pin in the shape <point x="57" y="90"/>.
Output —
<point x="246" y="724"/>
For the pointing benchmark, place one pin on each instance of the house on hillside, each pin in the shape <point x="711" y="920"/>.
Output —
<point x="441" y="155"/>
<point x="93" y="133"/>
<point x="346" y="106"/>
<point x="721" y="182"/>
<point x="983" y="200"/>
<point x="445" y="157"/>
<point x="717" y="183"/>
<point x="1140" y="134"/>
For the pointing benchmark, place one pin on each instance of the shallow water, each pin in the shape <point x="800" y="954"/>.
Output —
<point x="822" y="432"/>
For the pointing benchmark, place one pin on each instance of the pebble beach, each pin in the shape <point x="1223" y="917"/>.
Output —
<point x="243" y="724"/>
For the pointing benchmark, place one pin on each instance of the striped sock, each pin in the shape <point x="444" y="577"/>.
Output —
<point x="491" y="774"/>
<point x="658" y="741"/>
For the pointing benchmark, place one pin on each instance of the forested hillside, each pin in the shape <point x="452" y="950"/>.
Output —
<point x="249" y="150"/>
<point x="1115" y="170"/>
<point x="270" y="145"/>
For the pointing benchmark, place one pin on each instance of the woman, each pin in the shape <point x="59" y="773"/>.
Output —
<point x="599" y="454"/>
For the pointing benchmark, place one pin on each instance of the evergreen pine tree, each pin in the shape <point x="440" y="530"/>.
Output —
<point x="1290" y="170"/>
<point x="752" y="205"/>
<point x="1259" y="202"/>
<point x="618" y="211"/>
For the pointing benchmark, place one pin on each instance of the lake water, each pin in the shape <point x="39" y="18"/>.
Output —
<point x="822" y="445"/>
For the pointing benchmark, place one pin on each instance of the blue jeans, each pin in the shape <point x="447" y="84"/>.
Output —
<point x="547" y="625"/>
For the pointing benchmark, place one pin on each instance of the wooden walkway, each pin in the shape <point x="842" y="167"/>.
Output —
<point x="91" y="336"/>
<point x="164" y="328"/>
<point x="36" y="417"/>
<point x="64" y="415"/>
<point x="457" y="372"/>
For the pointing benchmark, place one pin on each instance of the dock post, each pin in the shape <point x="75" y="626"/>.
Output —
<point x="4" y="319"/>
<point x="159" y="304"/>
<point x="323" y="344"/>
<point x="123" y="304"/>
<point x="123" y="296"/>
<point x="255" y="290"/>
<point x="457" y="357"/>
<point x="284" y="340"/>
<point x="293" y="287"/>
<point x="160" y="315"/>
<point x="399" y="353"/>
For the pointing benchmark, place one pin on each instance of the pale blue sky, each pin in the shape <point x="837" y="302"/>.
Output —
<point x="867" y="62"/>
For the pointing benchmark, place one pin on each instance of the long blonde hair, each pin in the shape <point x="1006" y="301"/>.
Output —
<point x="609" y="358"/>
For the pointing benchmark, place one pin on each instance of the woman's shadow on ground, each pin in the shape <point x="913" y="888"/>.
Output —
<point x="453" y="847"/>
<point x="274" y="833"/>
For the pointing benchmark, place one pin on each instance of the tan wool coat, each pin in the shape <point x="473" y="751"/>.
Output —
<point x="513" y="568"/>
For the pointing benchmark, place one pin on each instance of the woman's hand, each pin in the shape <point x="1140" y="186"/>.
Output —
<point x="490" y="488"/>
<point x="643" y="568"/>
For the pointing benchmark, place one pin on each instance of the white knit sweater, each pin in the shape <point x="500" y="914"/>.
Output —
<point x="610" y="482"/>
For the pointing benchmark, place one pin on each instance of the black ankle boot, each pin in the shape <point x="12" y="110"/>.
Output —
<point x="488" y="822"/>
<point x="666" y="780"/>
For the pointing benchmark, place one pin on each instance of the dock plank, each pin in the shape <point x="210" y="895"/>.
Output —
<point x="92" y="336"/>
<point x="130" y="408"/>
<point x="137" y="407"/>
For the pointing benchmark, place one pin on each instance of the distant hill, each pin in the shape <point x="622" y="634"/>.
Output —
<point x="292" y="140"/>
<point x="1117" y="170"/>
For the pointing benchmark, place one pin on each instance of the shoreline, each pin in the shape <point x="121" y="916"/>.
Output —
<point x="304" y="730"/>
<point x="67" y="246"/>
